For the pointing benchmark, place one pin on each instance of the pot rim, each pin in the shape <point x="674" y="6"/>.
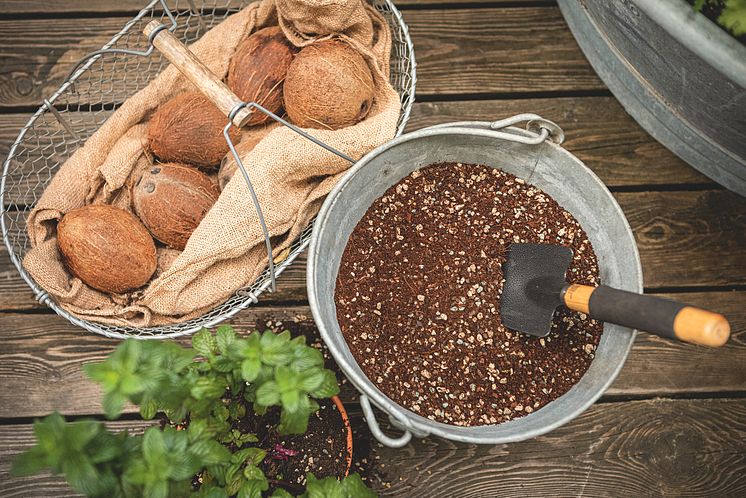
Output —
<point x="699" y="34"/>
<point x="410" y="421"/>
<point x="348" y="430"/>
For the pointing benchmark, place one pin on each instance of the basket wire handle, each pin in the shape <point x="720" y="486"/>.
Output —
<point x="237" y="111"/>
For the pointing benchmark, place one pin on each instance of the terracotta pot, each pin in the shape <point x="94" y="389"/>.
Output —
<point x="348" y="428"/>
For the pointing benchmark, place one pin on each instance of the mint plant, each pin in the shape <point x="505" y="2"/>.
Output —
<point x="732" y="16"/>
<point x="202" y="391"/>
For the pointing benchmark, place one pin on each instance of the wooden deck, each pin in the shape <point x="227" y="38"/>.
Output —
<point x="673" y="423"/>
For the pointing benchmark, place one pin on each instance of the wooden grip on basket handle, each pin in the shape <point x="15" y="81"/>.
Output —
<point x="204" y="79"/>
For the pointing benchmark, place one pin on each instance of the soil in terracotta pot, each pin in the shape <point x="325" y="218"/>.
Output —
<point x="322" y="450"/>
<point x="418" y="296"/>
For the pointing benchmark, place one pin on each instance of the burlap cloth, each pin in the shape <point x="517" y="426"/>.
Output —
<point x="291" y="175"/>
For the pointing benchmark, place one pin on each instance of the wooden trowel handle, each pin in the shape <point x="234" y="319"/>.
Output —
<point x="204" y="79"/>
<point x="656" y="315"/>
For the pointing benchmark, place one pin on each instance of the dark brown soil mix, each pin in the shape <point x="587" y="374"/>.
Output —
<point x="418" y="296"/>
<point x="322" y="450"/>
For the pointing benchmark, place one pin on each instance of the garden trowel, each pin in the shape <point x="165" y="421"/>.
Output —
<point x="535" y="286"/>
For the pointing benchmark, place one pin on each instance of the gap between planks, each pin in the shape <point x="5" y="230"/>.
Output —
<point x="662" y="447"/>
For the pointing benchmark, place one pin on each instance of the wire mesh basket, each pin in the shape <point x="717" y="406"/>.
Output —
<point x="96" y="87"/>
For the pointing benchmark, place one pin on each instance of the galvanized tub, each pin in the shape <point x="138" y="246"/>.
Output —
<point x="539" y="161"/>
<point x="676" y="72"/>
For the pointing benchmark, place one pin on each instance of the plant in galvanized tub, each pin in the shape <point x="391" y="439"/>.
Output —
<point x="239" y="417"/>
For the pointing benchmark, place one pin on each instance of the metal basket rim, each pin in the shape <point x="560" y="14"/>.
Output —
<point x="252" y="297"/>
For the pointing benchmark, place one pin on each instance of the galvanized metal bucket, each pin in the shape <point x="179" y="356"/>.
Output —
<point x="534" y="155"/>
<point x="677" y="73"/>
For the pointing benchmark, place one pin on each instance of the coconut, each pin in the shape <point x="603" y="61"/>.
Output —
<point x="189" y="129"/>
<point x="328" y="85"/>
<point x="171" y="200"/>
<point x="257" y="70"/>
<point x="228" y="165"/>
<point x="107" y="248"/>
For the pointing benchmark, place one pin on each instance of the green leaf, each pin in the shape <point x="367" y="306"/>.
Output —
<point x="290" y="400"/>
<point x="130" y="384"/>
<point x="329" y="386"/>
<point x="156" y="489"/>
<point x="275" y="350"/>
<point x="698" y="4"/>
<point x="733" y="16"/>
<point x="248" y="438"/>
<point x="222" y="364"/>
<point x="127" y="355"/>
<point x="103" y="374"/>
<point x="323" y="488"/>
<point x="224" y="337"/>
<point x="205" y="343"/>
<point x="287" y="380"/>
<point x="252" y="455"/>
<point x="208" y="388"/>
<point x="197" y="428"/>
<point x="305" y="357"/>
<point x="31" y="461"/>
<point x="268" y="394"/>
<point x="311" y="379"/>
<point x="354" y="486"/>
<point x="113" y="403"/>
<point x="253" y="473"/>
<point x="148" y="408"/>
<point x="296" y="422"/>
<point x="280" y="493"/>
<point x="255" y="482"/>
<point x="80" y="474"/>
<point x="221" y="412"/>
<point x="350" y="487"/>
<point x="211" y="491"/>
<point x="250" y="368"/>
<point x="210" y="452"/>
<point x="105" y="447"/>
<point x="153" y="446"/>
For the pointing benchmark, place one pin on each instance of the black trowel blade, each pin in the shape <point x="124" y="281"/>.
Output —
<point x="534" y="279"/>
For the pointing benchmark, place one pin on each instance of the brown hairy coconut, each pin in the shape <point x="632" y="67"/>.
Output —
<point x="107" y="248"/>
<point x="228" y="166"/>
<point x="171" y="200"/>
<point x="257" y="70"/>
<point x="189" y="129"/>
<point x="328" y="85"/>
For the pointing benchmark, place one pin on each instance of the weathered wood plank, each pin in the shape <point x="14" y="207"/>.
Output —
<point x="10" y="7"/>
<point x="684" y="233"/>
<point x="646" y="448"/>
<point x="497" y="50"/>
<point x="42" y="355"/>
<point x="685" y="239"/>
<point x="494" y="50"/>
<point x="650" y="448"/>
<point x="598" y="131"/>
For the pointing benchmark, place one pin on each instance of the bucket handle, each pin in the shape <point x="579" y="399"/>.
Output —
<point x="540" y="129"/>
<point x="385" y="440"/>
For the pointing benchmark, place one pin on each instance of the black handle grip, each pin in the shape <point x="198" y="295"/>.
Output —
<point x="638" y="311"/>
<point x="656" y="315"/>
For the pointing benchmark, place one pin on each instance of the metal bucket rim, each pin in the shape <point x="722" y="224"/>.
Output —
<point x="410" y="420"/>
